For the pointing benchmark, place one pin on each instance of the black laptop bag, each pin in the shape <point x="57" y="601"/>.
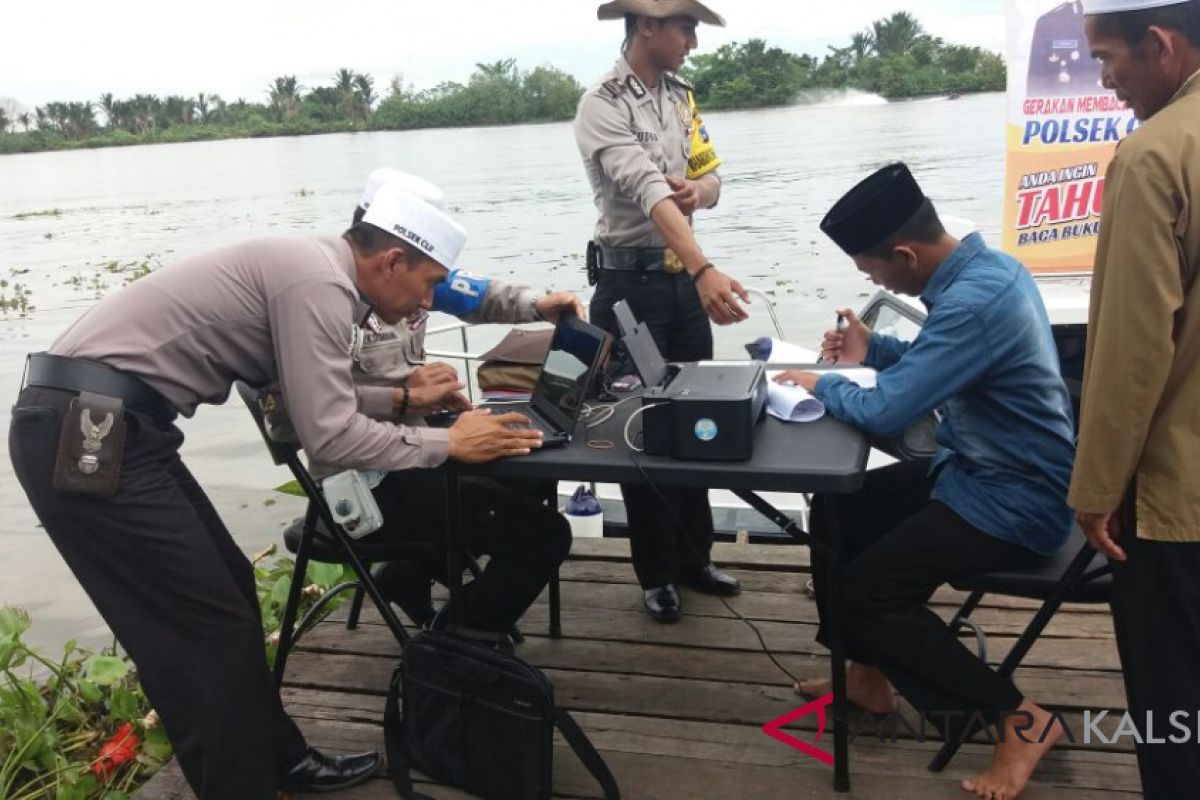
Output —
<point x="463" y="709"/>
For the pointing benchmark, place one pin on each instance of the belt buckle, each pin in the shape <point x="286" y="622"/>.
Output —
<point x="671" y="262"/>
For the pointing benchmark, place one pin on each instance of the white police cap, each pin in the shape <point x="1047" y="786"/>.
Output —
<point x="414" y="219"/>
<point x="394" y="177"/>
<point x="1121" y="6"/>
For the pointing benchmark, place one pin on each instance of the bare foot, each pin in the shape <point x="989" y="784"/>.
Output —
<point x="866" y="687"/>
<point x="1015" y="758"/>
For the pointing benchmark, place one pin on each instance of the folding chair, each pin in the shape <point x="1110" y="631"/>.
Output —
<point x="1076" y="574"/>
<point x="334" y="545"/>
<point x="318" y="538"/>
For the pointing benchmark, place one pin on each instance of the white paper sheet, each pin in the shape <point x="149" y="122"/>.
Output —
<point x="787" y="353"/>
<point x="792" y="403"/>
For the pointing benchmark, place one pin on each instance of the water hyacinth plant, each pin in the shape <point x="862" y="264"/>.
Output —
<point x="79" y="727"/>
<point x="74" y="728"/>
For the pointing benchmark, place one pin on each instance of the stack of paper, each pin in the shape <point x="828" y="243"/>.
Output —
<point x="792" y="403"/>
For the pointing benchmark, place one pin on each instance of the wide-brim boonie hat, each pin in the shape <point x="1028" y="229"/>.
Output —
<point x="661" y="9"/>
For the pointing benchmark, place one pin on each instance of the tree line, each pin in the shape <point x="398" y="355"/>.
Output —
<point x="895" y="58"/>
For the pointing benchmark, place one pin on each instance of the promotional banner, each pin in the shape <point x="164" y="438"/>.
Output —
<point x="1063" y="127"/>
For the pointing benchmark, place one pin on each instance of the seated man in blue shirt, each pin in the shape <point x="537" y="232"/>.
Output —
<point x="994" y="496"/>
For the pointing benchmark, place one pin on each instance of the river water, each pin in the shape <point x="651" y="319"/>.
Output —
<point x="75" y="225"/>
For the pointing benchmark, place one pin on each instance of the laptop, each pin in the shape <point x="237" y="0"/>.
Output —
<point x="576" y="353"/>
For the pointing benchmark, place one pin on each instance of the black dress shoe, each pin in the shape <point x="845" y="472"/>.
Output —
<point x="317" y="772"/>
<point x="710" y="580"/>
<point x="662" y="603"/>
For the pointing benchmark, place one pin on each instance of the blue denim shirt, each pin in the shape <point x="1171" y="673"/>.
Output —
<point x="987" y="359"/>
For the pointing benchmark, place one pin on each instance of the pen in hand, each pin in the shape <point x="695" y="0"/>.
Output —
<point x="841" y="326"/>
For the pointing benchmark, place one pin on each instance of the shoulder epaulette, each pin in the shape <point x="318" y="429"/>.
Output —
<point x="614" y="87"/>
<point x="684" y="82"/>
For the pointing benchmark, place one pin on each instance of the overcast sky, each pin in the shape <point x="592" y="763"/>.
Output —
<point x="78" y="49"/>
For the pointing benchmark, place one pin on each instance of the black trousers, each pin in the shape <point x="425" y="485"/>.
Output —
<point x="898" y="547"/>
<point x="525" y="539"/>
<point x="1156" y="614"/>
<point x="167" y="577"/>
<point x="664" y="537"/>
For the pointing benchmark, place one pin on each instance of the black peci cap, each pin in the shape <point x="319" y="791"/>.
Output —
<point x="874" y="210"/>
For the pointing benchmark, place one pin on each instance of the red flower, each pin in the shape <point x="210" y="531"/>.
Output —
<point x="120" y="749"/>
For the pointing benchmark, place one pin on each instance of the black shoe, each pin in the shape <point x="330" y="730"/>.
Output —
<point x="710" y="580"/>
<point x="662" y="603"/>
<point x="317" y="772"/>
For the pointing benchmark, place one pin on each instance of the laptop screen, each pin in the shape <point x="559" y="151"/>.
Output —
<point x="575" y="354"/>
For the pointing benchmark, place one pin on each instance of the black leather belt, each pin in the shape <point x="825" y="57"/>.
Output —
<point x="632" y="259"/>
<point x="84" y="375"/>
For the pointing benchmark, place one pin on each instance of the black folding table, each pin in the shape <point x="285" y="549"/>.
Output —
<point x="823" y="457"/>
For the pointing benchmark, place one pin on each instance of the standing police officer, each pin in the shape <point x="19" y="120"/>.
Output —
<point x="651" y="167"/>
<point x="95" y="447"/>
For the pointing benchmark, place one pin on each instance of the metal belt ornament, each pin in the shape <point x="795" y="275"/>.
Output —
<point x="93" y="438"/>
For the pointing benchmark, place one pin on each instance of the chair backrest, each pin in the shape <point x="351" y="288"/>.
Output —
<point x="282" y="453"/>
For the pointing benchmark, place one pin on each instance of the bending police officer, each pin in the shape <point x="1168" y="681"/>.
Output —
<point x="525" y="539"/>
<point x="94" y="445"/>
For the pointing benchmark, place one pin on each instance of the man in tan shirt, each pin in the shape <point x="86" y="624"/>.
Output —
<point x="651" y="167"/>
<point x="1134" y="490"/>
<point x="94" y="445"/>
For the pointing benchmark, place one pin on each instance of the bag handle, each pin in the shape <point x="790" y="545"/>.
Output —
<point x="587" y="753"/>
<point x="393" y="742"/>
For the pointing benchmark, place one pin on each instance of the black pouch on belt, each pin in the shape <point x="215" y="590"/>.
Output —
<point x="593" y="263"/>
<point x="91" y="446"/>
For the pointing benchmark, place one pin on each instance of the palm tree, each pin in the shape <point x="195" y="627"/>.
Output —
<point x="202" y="102"/>
<point x="80" y="119"/>
<point x="107" y="104"/>
<point x="285" y="96"/>
<point x="861" y="45"/>
<point x="364" y="88"/>
<point x="26" y="119"/>
<point x="343" y="84"/>
<point x="4" y="121"/>
<point x="144" y="110"/>
<point x="896" y="34"/>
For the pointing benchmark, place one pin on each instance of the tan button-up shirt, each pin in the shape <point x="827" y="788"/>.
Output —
<point x="631" y="137"/>
<point x="1141" y="391"/>
<point x="390" y="355"/>
<point x="280" y="310"/>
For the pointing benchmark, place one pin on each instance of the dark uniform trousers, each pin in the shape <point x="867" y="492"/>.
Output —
<point x="664" y="537"/>
<point x="525" y="540"/>
<point x="179" y="595"/>
<point x="897" y="547"/>
<point x="1156" y="615"/>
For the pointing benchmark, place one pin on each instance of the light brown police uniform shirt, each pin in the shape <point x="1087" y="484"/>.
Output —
<point x="631" y="137"/>
<point x="280" y="310"/>
<point x="390" y="354"/>
<point x="1141" y="388"/>
<point x="394" y="352"/>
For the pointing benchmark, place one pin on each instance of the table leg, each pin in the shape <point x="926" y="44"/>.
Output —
<point x="841" y="721"/>
<point x="454" y="554"/>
